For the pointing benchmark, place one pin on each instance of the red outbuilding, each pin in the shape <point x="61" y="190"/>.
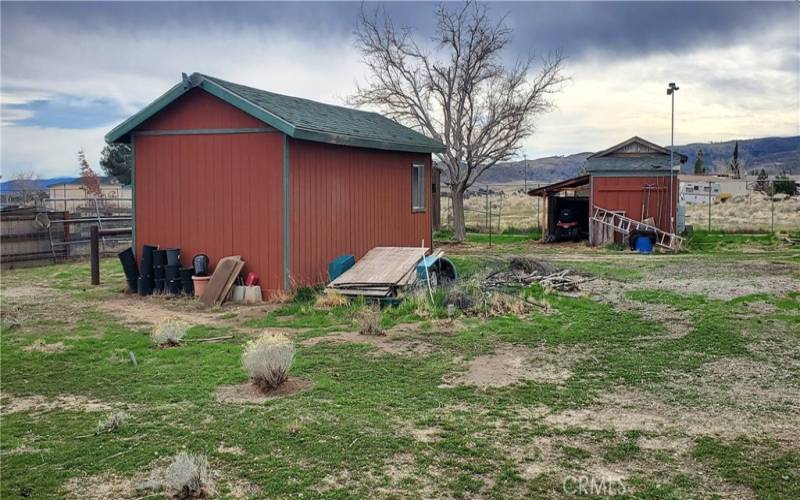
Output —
<point x="286" y="183"/>
<point x="632" y="186"/>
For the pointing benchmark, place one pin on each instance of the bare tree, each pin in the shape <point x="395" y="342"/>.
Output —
<point x="457" y="90"/>
<point x="26" y="187"/>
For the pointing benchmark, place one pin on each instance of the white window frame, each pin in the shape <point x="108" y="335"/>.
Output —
<point x="420" y="186"/>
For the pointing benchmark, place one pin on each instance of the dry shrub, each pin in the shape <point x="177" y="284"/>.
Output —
<point x="329" y="300"/>
<point x="188" y="477"/>
<point x="501" y="304"/>
<point x="369" y="321"/>
<point x="113" y="422"/>
<point x="268" y="359"/>
<point x="169" y="332"/>
<point x="281" y="297"/>
<point x="13" y="316"/>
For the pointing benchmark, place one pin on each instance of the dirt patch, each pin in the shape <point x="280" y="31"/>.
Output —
<point x="248" y="393"/>
<point x="625" y="411"/>
<point x="241" y="489"/>
<point x="42" y="403"/>
<point x="14" y="293"/>
<point x="675" y="445"/>
<point x="230" y="450"/>
<point x="391" y="343"/>
<point x="151" y="310"/>
<point x="511" y="364"/>
<point x="26" y="450"/>
<point x="399" y="467"/>
<point x="148" y="484"/>
<point x="420" y="434"/>
<point x="104" y="486"/>
<point x="42" y="346"/>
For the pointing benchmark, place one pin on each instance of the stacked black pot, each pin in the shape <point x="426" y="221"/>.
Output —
<point x="128" y="261"/>
<point x="146" y="270"/>
<point x="159" y="270"/>
<point x="172" y="270"/>
<point x="186" y="280"/>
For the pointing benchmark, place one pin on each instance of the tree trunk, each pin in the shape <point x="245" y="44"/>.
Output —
<point x="457" y="197"/>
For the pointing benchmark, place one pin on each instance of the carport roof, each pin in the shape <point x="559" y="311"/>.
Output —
<point x="565" y="185"/>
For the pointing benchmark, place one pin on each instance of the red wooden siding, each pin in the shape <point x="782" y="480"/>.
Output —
<point x="216" y="194"/>
<point x="628" y="194"/>
<point x="348" y="200"/>
<point x="197" y="109"/>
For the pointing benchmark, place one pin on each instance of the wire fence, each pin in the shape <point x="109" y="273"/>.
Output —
<point x="732" y="205"/>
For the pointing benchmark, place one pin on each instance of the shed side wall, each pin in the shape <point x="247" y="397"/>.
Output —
<point x="628" y="194"/>
<point x="348" y="200"/>
<point x="217" y="194"/>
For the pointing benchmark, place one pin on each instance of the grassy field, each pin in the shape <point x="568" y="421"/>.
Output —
<point x="665" y="376"/>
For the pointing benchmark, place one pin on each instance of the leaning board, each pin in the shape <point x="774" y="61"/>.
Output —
<point x="381" y="266"/>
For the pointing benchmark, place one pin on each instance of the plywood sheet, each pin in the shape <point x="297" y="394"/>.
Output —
<point x="381" y="266"/>
<point x="225" y="272"/>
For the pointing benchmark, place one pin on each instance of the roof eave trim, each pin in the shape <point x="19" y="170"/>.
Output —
<point x="121" y="132"/>
<point x="345" y="140"/>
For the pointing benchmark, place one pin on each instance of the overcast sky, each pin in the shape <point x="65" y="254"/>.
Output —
<point x="71" y="71"/>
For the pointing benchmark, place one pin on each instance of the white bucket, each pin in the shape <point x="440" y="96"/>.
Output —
<point x="252" y="294"/>
<point x="238" y="293"/>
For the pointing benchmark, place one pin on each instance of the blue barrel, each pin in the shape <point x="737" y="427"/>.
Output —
<point x="643" y="244"/>
<point x="339" y="265"/>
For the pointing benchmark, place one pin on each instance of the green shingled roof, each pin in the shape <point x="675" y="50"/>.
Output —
<point x="654" y="163"/>
<point x="296" y="117"/>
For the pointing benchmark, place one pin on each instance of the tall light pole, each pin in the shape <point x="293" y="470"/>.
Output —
<point x="671" y="89"/>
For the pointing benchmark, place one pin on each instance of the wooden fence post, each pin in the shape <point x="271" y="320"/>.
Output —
<point x="94" y="257"/>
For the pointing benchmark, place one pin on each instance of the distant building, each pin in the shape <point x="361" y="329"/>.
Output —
<point x="699" y="188"/>
<point x="71" y="194"/>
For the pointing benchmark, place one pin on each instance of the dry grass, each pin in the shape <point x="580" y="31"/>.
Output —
<point x="188" y="477"/>
<point x="743" y="213"/>
<point x="502" y="304"/>
<point x="268" y="359"/>
<point x="169" y="332"/>
<point x="113" y="422"/>
<point x="281" y="297"/>
<point x="329" y="300"/>
<point x="369" y="321"/>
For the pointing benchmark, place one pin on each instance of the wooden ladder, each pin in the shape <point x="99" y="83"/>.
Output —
<point x="626" y="225"/>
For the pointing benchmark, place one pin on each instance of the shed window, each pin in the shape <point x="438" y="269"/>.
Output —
<point x="418" y="188"/>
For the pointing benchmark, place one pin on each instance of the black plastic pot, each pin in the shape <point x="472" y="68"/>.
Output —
<point x="174" y="286"/>
<point x="173" y="256"/>
<point x="159" y="273"/>
<point x="172" y="272"/>
<point x="147" y="260"/>
<point x="159" y="285"/>
<point x="160" y="258"/>
<point x="186" y="280"/>
<point x="133" y="285"/>
<point x="188" y="286"/>
<point x="200" y="264"/>
<point x="145" y="285"/>
<point x="128" y="261"/>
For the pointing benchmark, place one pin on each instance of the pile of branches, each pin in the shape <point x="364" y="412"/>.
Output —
<point x="524" y="272"/>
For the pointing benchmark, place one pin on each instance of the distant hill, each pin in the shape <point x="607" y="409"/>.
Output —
<point x="773" y="154"/>
<point x="36" y="184"/>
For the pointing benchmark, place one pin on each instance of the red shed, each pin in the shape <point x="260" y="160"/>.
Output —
<point x="633" y="179"/>
<point x="287" y="183"/>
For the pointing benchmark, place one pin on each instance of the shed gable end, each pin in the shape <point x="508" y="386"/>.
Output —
<point x="199" y="110"/>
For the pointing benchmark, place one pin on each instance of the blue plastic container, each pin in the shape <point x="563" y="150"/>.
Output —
<point x="643" y="244"/>
<point x="339" y="265"/>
